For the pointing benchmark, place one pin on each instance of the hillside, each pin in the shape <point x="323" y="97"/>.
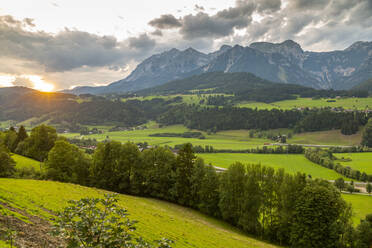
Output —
<point x="284" y="62"/>
<point x="245" y="86"/>
<point x="364" y="86"/>
<point x="70" y="110"/>
<point x="188" y="228"/>
<point x="215" y="81"/>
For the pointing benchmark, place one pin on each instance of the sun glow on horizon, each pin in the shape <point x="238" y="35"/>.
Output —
<point x="39" y="83"/>
<point x="32" y="81"/>
<point x="6" y="80"/>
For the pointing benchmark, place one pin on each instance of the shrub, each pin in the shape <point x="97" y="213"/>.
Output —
<point x="99" y="223"/>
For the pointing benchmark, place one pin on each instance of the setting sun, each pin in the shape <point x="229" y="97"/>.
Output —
<point x="40" y="84"/>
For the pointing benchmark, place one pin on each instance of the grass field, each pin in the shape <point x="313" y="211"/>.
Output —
<point x="237" y="139"/>
<point x="7" y="124"/>
<point x="232" y="139"/>
<point x="346" y="103"/>
<point x="359" y="161"/>
<point x="292" y="163"/>
<point x="362" y="205"/>
<point x="188" y="228"/>
<point x="24" y="162"/>
<point x="331" y="137"/>
<point x="188" y="99"/>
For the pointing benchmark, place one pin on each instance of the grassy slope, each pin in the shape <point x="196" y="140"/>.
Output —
<point x="347" y="103"/>
<point x="362" y="205"/>
<point x="360" y="161"/>
<point x="292" y="163"/>
<point x="22" y="162"/>
<point x="156" y="218"/>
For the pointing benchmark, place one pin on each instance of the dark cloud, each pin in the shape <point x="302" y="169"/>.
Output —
<point x="142" y="42"/>
<point x="157" y="32"/>
<point x="166" y="22"/>
<point x="319" y="24"/>
<point x="29" y="22"/>
<point x="268" y="5"/>
<point x="203" y="25"/>
<point x="223" y="23"/>
<point x="309" y="4"/>
<point x="198" y="8"/>
<point x="12" y="22"/>
<point x="68" y="49"/>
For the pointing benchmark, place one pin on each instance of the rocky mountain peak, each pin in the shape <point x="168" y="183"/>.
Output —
<point x="278" y="62"/>
<point x="286" y="47"/>
<point x="360" y="45"/>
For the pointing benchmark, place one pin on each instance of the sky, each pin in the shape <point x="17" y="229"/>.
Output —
<point x="54" y="44"/>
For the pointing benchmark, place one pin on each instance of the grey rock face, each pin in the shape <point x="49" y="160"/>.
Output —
<point x="279" y="62"/>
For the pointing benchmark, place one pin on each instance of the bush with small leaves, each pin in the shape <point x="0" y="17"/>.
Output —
<point x="95" y="222"/>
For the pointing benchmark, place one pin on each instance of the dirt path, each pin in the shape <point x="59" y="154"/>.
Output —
<point x="30" y="235"/>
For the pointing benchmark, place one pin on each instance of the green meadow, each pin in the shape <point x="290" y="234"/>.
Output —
<point x="362" y="205"/>
<point x="359" y="161"/>
<point x="232" y="139"/>
<point x="292" y="163"/>
<point x="330" y="137"/>
<point x="346" y="103"/>
<point x="24" y="162"/>
<point x="157" y="219"/>
<point x="222" y="140"/>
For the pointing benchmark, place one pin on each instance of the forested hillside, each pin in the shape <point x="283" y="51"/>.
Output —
<point x="215" y="113"/>
<point x="244" y="86"/>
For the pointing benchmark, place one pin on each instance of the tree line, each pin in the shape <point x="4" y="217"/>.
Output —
<point x="289" y="149"/>
<point x="286" y="209"/>
<point x="231" y="118"/>
<point x="326" y="159"/>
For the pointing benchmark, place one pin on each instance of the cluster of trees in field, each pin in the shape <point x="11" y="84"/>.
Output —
<point x="367" y="134"/>
<point x="326" y="159"/>
<point x="351" y="149"/>
<point x="289" y="149"/>
<point x="288" y="209"/>
<point x="196" y="135"/>
<point x="7" y="164"/>
<point x="325" y="119"/>
<point x="230" y="118"/>
<point x="342" y="185"/>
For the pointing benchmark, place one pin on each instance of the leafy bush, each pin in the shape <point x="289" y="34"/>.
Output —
<point x="99" y="223"/>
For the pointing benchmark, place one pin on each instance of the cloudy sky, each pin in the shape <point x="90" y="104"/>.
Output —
<point x="52" y="45"/>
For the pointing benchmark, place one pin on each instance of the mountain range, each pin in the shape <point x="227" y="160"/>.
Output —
<point x="284" y="62"/>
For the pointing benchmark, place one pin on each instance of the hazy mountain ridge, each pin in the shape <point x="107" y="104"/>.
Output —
<point x="284" y="62"/>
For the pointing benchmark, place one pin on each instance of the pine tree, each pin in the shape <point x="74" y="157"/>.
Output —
<point x="367" y="134"/>
<point x="184" y="167"/>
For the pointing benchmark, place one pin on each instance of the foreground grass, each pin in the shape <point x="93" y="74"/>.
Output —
<point x="362" y="205"/>
<point x="188" y="228"/>
<point x="24" y="162"/>
<point x="359" y="161"/>
<point x="292" y="163"/>
<point x="346" y="103"/>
